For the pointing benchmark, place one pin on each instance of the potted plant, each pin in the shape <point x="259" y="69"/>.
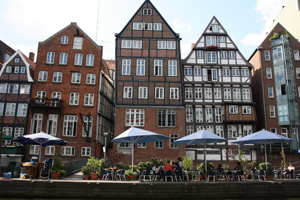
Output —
<point x="57" y="168"/>
<point x="188" y="165"/>
<point x="93" y="164"/>
<point x="101" y="168"/>
<point x="202" y="167"/>
<point x="86" y="172"/>
<point x="130" y="175"/>
<point x="269" y="171"/>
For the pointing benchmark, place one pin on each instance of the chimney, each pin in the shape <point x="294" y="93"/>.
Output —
<point x="31" y="56"/>
<point x="193" y="45"/>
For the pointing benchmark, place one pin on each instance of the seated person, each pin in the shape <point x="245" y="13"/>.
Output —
<point x="168" y="169"/>
<point x="178" y="170"/>
<point x="291" y="170"/>
<point x="220" y="169"/>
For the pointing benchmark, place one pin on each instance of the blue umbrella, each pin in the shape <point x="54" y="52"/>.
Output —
<point x="41" y="139"/>
<point x="135" y="135"/>
<point x="262" y="137"/>
<point x="201" y="137"/>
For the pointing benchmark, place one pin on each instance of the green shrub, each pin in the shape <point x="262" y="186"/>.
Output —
<point x="187" y="163"/>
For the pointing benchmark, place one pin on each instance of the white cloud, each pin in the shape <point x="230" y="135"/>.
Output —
<point x="268" y="10"/>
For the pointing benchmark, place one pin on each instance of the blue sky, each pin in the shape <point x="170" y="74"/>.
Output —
<point x="32" y="21"/>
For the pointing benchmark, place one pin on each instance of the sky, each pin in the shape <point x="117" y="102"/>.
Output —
<point x="26" y="23"/>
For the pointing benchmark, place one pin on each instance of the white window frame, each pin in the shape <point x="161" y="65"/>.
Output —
<point x="135" y="117"/>
<point x="89" y="60"/>
<point x="57" y="77"/>
<point x="207" y="93"/>
<point x="246" y="110"/>
<point x="236" y="93"/>
<point x="211" y="41"/>
<point x="157" y="26"/>
<point x="43" y="76"/>
<point x="127" y="92"/>
<point x="50" y="57"/>
<point x="52" y="124"/>
<point x="13" y="88"/>
<point x="1" y="109"/>
<point x="159" y="92"/>
<point x="198" y="93"/>
<point x="161" y="45"/>
<point x="231" y="55"/>
<point x="227" y="93"/>
<point x="19" y="131"/>
<point x="64" y="39"/>
<point x="208" y="115"/>
<point x="232" y="131"/>
<point x="137" y="44"/>
<point x="188" y="91"/>
<point x="140" y="67"/>
<point x="147" y="11"/>
<point x="247" y="130"/>
<point x="174" y="93"/>
<point x="233" y="109"/>
<point x="63" y="59"/>
<point x="126" y="44"/>
<point x="22" y="109"/>
<point x="235" y="72"/>
<point x="224" y="54"/>
<point x="50" y="150"/>
<point x="74" y="99"/>
<point x="171" y="45"/>
<point x="217" y="93"/>
<point x="3" y="87"/>
<point x="8" y="69"/>
<point x="126" y="67"/>
<point x="78" y="59"/>
<point x="70" y="125"/>
<point x="68" y="151"/>
<point x="8" y="131"/>
<point x="143" y="92"/>
<point x="199" y="115"/>
<point x="88" y="99"/>
<point x="246" y="93"/>
<point x="23" y="70"/>
<point x="269" y="73"/>
<point x="172" y="68"/>
<point x="85" y="120"/>
<point x="10" y="109"/>
<point x="188" y="71"/>
<point x="137" y="26"/>
<point x="272" y="111"/>
<point x="166" y="118"/>
<point x="86" y="151"/>
<point x="36" y="123"/>
<point x="173" y="137"/>
<point x="197" y="71"/>
<point x="296" y="55"/>
<point x="245" y="72"/>
<point x="270" y="92"/>
<point x="34" y="150"/>
<point x="76" y="78"/>
<point x="158" y="68"/>
<point x="267" y="55"/>
<point x="91" y="79"/>
<point x="189" y="115"/>
<point x="199" y="54"/>
<point x="211" y="57"/>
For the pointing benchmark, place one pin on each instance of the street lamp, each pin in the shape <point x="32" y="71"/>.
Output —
<point x="105" y="138"/>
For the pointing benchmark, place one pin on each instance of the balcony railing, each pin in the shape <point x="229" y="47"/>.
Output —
<point x="12" y="150"/>
<point x="45" y="102"/>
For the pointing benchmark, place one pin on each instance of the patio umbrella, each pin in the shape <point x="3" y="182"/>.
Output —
<point x="41" y="139"/>
<point x="200" y="137"/>
<point x="135" y="135"/>
<point x="262" y="137"/>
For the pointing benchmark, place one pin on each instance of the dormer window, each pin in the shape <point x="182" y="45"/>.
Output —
<point x="215" y="28"/>
<point x="64" y="39"/>
<point x="147" y="11"/>
<point x="17" y="60"/>
<point x="77" y="44"/>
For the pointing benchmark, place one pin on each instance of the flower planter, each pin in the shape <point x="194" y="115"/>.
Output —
<point x="269" y="177"/>
<point x="94" y="176"/>
<point x="55" y="175"/>
<point x="86" y="177"/>
<point x="131" y="177"/>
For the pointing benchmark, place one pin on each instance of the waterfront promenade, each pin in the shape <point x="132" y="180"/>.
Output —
<point x="73" y="187"/>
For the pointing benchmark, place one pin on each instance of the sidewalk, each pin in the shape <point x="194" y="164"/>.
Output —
<point x="75" y="176"/>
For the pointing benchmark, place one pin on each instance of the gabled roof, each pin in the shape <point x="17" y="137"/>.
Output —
<point x="7" y="48"/>
<point x="28" y="63"/>
<point x="153" y="7"/>
<point x="222" y="32"/>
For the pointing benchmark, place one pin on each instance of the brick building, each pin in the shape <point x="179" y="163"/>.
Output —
<point x="16" y="79"/>
<point x="69" y="77"/>
<point x="218" y="93"/>
<point x="149" y="83"/>
<point x="275" y="86"/>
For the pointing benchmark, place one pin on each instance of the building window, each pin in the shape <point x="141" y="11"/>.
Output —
<point x="85" y="151"/>
<point x="174" y="93"/>
<point x="36" y="123"/>
<point x="52" y="124"/>
<point x="137" y="26"/>
<point x="148" y="26"/>
<point x="157" y="26"/>
<point x="77" y="44"/>
<point x="211" y="40"/>
<point x="189" y="115"/>
<point x="284" y="132"/>
<point x="126" y="44"/>
<point x="198" y="93"/>
<point x="70" y="125"/>
<point x="159" y="92"/>
<point x="87" y="126"/>
<point x="142" y="145"/>
<point x="57" y="77"/>
<point x="246" y="93"/>
<point x="267" y="55"/>
<point x="91" y="79"/>
<point x="124" y="145"/>
<point x="128" y="92"/>
<point x="74" y="98"/>
<point x="298" y="73"/>
<point x="226" y="72"/>
<point x="23" y="70"/>
<point x="1" y="109"/>
<point x="222" y="39"/>
<point x="232" y="131"/>
<point x="247" y="130"/>
<point x="135" y="117"/>
<point x="143" y="92"/>
<point x="8" y="131"/>
<point x="64" y="39"/>
<point x="236" y="93"/>
<point x="34" y="149"/>
<point x="235" y="72"/>
<point x="76" y="78"/>
<point x="277" y="54"/>
<point x="41" y="95"/>
<point x="68" y="151"/>
<point x="272" y="112"/>
<point x="269" y="73"/>
<point x="208" y="115"/>
<point x="218" y="115"/>
<point x="13" y="88"/>
<point x="159" y="145"/>
<point x="126" y="66"/>
<point x="211" y="57"/>
<point x="246" y="110"/>
<point x="296" y="55"/>
<point x="231" y="55"/>
<point x="220" y="131"/>
<point x="173" y="138"/>
<point x="199" y="115"/>
<point x="245" y="72"/>
<point x="283" y="113"/>
<point x="147" y="11"/>
<point x="172" y="68"/>
<point x="89" y="99"/>
<point x="197" y="71"/>
<point x="89" y="60"/>
<point x="171" y="45"/>
<point x="166" y="118"/>
<point x="188" y="71"/>
<point x="217" y="93"/>
<point x="188" y="93"/>
<point x="78" y="59"/>
<point x="140" y="67"/>
<point x="199" y="54"/>
<point x="227" y="93"/>
<point x="50" y="57"/>
<point x="233" y="110"/>
<point x="63" y="58"/>
<point x="10" y="109"/>
<point x="43" y="76"/>
<point x="3" y="87"/>
<point x="22" y="109"/>
<point x="161" y="44"/>
<point x="189" y="130"/>
<point x="50" y="150"/>
<point x="224" y="54"/>
<point x="137" y="44"/>
<point x="17" y="60"/>
<point x="158" y="68"/>
<point x="19" y="132"/>
<point x="17" y="69"/>
<point x="8" y="69"/>
<point x="207" y="93"/>
<point x="270" y="92"/>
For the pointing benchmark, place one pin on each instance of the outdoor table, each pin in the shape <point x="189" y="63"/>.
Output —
<point x="34" y="170"/>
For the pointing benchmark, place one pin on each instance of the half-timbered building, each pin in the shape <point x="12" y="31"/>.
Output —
<point x="149" y="83"/>
<point x="218" y="94"/>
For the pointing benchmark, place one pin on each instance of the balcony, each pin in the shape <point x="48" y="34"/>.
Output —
<point x="46" y="102"/>
<point x="12" y="150"/>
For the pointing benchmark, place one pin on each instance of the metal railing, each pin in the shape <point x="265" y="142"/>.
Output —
<point x="74" y="166"/>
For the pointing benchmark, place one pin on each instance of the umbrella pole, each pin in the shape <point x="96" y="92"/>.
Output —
<point x="40" y="153"/>
<point x="132" y="152"/>
<point x="266" y="157"/>
<point x="205" y="157"/>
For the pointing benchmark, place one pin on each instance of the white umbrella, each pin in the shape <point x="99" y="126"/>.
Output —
<point x="41" y="139"/>
<point x="135" y="135"/>
<point x="263" y="137"/>
<point x="200" y="137"/>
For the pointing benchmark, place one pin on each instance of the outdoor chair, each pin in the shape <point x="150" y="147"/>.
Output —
<point x="185" y="175"/>
<point x="145" y="174"/>
<point x="121" y="174"/>
<point x="178" y="175"/>
<point x="10" y="168"/>
<point x="240" y="175"/>
<point x="155" y="175"/>
<point x="224" y="175"/>
<point x="47" y="168"/>
<point x="169" y="174"/>
<point x="211" y="174"/>
<point x="107" y="173"/>
<point x="262" y="174"/>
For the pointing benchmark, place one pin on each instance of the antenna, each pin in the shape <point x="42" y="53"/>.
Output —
<point x="97" y="20"/>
